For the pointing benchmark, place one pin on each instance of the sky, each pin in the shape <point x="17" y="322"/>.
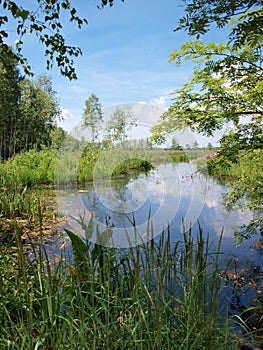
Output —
<point x="125" y="56"/>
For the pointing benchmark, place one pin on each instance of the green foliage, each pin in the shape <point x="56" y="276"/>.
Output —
<point x="69" y="166"/>
<point x="57" y="136"/>
<point x="225" y="86"/>
<point x="92" y="116"/>
<point x="87" y="162"/>
<point x="227" y="81"/>
<point x="157" y="135"/>
<point x="133" y="166"/>
<point x="28" y="168"/>
<point x="248" y="136"/>
<point x="107" y="2"/>
<point x="44" y="20"/>
<point x="250" y="183"/>
<point x="39" y="110"/>
<point x="28" y="109"/>
<point x="119" y="124"/>
<point x="246" y="191"/>
<point x="160" y="295"/>
<point x="18" y="203"/>
<point x="245" y="17"/>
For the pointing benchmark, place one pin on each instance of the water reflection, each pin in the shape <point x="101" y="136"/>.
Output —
<point x="172" y="193"/>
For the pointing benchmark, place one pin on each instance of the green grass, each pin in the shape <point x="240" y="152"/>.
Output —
<point x="159" y="295"/>
<point x="49" y="166"/>
<point x="46" y="167"/>
<point x="28" y="169"/>
<point x="249" y="164"/>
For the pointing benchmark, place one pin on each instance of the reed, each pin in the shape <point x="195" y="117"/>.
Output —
<point x="157" y="295"/>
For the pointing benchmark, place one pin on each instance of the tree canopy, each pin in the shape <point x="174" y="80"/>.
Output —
<point x="226" y="85"/>
<point x="44" y="19"/>
<point x="92" y="116"/>
<point x="246" y="17"/>
<point x="28" y="109"/>
<point x="120" y="122"/>
<point x="227" y="81"/>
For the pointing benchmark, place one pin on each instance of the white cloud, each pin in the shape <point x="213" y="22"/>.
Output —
<point x="69" y="120"/>
<point x="161" y="101"/>
<point x="66" y="114"/>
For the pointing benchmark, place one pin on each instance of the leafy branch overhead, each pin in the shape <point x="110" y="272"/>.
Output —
<point x="226" y="85"/>
<point x="44" y="20"/>
<point x="246" y="17"/>
<point x="221" y="91"/>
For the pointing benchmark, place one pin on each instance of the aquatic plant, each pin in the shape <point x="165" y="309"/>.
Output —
<point x="158" y="295"/>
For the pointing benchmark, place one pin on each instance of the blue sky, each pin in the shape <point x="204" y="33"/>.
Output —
<point x="125" y="56"/>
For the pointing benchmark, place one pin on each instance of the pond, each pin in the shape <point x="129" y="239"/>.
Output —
<point x="135" y="209"/>
<point x="173" y="196"/>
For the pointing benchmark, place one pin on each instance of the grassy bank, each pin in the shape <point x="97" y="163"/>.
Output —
<point x="47" y="166"/>
<point x="160" y="295"/>
<point x="245" y="176"/>
<point x="247" y="165"/>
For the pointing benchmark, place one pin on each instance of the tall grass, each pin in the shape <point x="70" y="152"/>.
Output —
<point x="28" y="168"/>
<point x="159" y="295"/>
<point x="36" y="167"/>
<point x="248" y="165"/>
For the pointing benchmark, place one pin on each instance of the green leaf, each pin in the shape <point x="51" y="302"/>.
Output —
<point x="79" y="247"/>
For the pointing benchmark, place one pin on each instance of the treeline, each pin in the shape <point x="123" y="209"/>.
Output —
<point x="28" y="108"/>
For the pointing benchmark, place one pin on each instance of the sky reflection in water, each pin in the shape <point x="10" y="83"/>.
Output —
<point x="172" y="193"/>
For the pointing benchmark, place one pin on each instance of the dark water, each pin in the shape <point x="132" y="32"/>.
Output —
<point x="172" y="193"/>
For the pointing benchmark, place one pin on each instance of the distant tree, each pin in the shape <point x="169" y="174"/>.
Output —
<point x="175" y="145"/>
<point x="118" y="125"/>
<point x="195" y="145"/>
<point x="92" y="116"/>
<point x="57" y="137"/>
<point x="188" y="146"/>
<point x="209" y="146"/>
<point x="149" y="144"/>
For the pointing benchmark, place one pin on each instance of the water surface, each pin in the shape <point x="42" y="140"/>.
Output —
<point x="172" y="193"/>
